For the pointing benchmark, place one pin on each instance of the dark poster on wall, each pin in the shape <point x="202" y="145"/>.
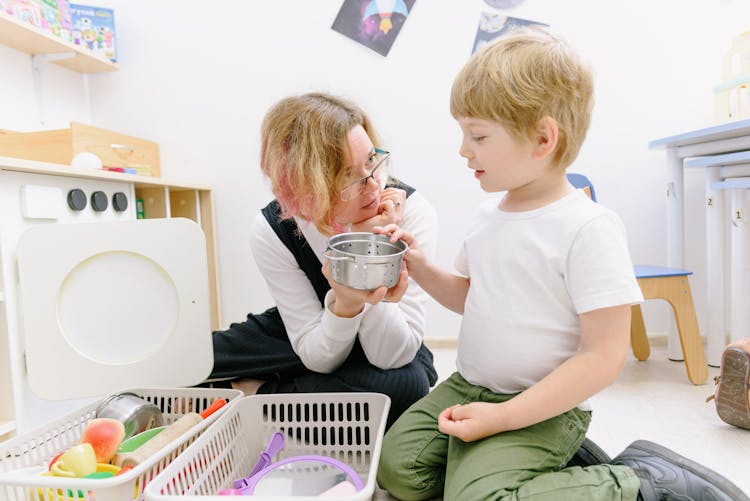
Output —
<point x="373" y="23"/>
<point x="493" y="25"/>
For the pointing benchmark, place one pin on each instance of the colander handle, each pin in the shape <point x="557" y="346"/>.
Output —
<point x="337" y="258"/>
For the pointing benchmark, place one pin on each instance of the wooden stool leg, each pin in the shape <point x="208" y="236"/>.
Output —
<point x="638" y="338"/>
<point x="678" y="294"/>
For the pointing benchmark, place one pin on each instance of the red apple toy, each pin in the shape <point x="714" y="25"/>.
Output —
<point x="104" y="435"/>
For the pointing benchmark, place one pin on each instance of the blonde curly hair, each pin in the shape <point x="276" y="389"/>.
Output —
<point x="303" y="148"/>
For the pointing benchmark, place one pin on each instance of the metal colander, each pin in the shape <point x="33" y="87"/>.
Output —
<point x="365" y="261"/>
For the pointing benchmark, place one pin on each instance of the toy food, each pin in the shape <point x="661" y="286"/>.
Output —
<point x="153" y="446"/>
<point x="105" y="436"/>
<point x="54" y="459"/>
<point x="132" y="443"/>
<point x="86" y="160"/>
<point x="78" y="461"/>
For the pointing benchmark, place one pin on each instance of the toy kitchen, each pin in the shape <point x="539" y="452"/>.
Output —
<point x="92" y="298"/>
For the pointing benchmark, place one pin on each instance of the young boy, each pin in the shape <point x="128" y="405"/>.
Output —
<point x="545" y="290"/>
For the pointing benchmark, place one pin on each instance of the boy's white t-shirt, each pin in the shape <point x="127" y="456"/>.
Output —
<point x="532" y="273"/>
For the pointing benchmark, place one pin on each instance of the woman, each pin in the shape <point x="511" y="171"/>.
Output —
<point x="328" y="174"/>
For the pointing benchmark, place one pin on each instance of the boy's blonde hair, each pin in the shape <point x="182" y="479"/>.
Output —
<point x="522" y="77"/>
<point x="303" y="148"/>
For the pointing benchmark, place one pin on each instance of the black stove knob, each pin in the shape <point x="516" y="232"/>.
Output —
<point x="76" y="199"/>
<point x="119" y="201"/>
<point x="99" y="201"/>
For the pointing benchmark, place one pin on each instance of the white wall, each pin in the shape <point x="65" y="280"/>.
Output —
<point x="198" y="76"/>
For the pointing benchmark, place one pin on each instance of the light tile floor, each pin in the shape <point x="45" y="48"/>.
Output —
<point x="653" y="400"/>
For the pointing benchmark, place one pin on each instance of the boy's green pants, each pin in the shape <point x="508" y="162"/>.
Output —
<point x="419" y="462"/>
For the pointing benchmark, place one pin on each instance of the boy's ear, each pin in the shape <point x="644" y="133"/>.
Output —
<point x="545" y="139"/>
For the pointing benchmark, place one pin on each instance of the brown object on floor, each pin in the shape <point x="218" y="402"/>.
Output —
<point x="732" y="395"/>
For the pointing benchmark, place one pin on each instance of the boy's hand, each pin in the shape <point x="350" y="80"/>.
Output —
<point x="472" y="421"/>
<point x="414" y="257"/>
<point x="397" y="233"/>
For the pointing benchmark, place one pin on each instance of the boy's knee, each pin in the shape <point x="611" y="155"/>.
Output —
<point x="389" y="468"/>
<point x="393" y="477"/>
<point x="398" y="475"/>
<point x="393" y="473"/>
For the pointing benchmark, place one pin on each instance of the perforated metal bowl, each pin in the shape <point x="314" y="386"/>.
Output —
<point x="365" y="261"/>
<point x="135" y="413"/>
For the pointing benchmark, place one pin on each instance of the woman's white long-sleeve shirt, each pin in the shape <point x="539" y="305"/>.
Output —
<point x="390" y="333"/>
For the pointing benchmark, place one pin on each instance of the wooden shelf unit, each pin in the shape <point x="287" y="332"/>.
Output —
<point x="33" y="40"/>
<point x="193" y="203"/>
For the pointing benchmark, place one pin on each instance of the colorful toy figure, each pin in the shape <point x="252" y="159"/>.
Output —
<point x="109" y="38"/>
<point x="89" y="37"/>
<point x="55" y="17"/>
<point x="385" y="9"/>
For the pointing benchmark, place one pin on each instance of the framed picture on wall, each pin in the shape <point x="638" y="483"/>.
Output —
<point x="373" y="23"/>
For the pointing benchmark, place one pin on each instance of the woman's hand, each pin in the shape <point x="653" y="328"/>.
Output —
<point x="395" y="293"/>
<point x="472" y="421"/>
<point x="390" y="210"/>
<point x="392" y="205"/>
<point x="350" y="302"/>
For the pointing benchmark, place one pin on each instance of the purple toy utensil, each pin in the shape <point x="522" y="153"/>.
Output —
<point x="253" y="480"/>
<point x="350" y="473"/>
<point x="275" y="444"/>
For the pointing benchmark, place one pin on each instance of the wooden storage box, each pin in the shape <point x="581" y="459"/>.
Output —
<point x="60" y="146"/>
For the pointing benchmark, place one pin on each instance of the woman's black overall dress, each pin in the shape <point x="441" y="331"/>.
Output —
<point x="259" y="348"/>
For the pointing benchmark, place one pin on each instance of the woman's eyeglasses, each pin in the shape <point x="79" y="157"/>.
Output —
<point x="378" y="164"/>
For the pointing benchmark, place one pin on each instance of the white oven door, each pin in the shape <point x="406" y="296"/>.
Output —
<point x="111" y="305"/>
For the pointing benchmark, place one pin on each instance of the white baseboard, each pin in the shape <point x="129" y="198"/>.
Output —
<point x="451" y="343"/>
<point x="441" y="343"/>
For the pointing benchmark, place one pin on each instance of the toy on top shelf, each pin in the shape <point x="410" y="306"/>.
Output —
<point x="18" y="31"/>
<point x="94" y="28"/>
<point x="49" y="15"/>
<point x="27" y="11"/>
<point x="56" y="18"/>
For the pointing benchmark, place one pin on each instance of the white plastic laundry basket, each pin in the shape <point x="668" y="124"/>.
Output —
<point x="24" y="458"/>
<point x="348" y="427"/>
